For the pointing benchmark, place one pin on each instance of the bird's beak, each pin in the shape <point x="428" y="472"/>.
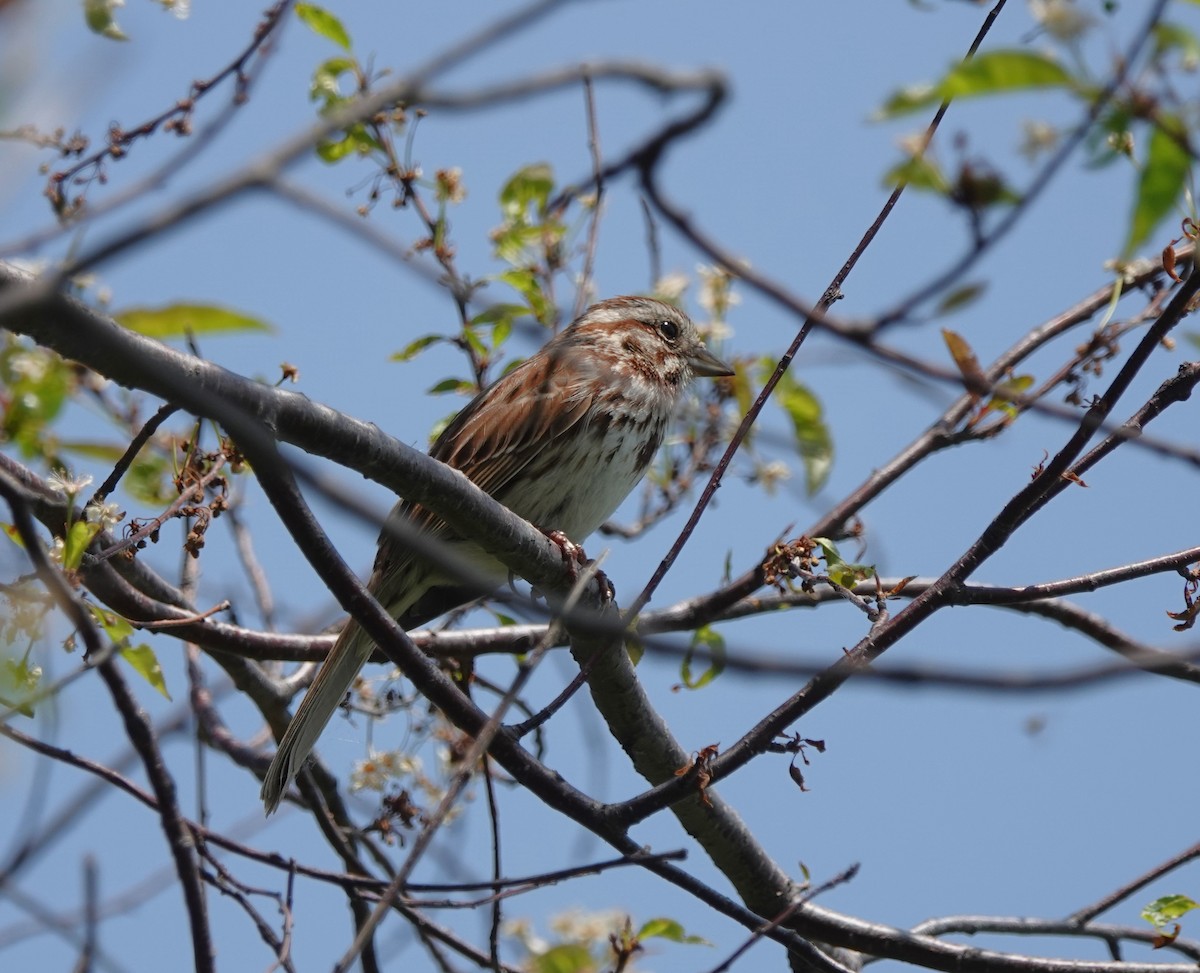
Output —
<point x="707" y="365"/>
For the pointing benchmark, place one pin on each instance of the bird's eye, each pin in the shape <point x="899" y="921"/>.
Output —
<point x="668" y="329"/>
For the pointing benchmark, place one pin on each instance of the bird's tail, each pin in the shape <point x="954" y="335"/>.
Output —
<point x="350" y="652"/>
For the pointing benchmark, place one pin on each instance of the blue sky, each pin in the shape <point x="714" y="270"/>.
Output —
<point x="947" y="799"/>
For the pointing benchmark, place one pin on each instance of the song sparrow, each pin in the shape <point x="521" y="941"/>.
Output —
<point x="560" y="441"/>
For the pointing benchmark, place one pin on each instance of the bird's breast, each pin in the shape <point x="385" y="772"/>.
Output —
<point x="577" y="484"/>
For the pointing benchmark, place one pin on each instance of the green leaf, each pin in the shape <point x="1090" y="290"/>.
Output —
<point x="995" y="72"/>
<point x="326" y="83"/>
<point x="98" y="15"/>
<point x="566" y="958"/>
<point x="839" y="571"/>
<point x="961" y="297"/>
<point x="1007" y="392"/>
<point x="79" y="536"/>
<point x="180" y="320"/>
<point x="1161" y="181"/>
<point x="813" y="440"/>
<point x="19" y="682"/>
<point x="416" y="346"/>
<point x="1173" y="37"/>
<point x="105" y="452"/>
<point x="500" y="333"/>
<point x="1166" y="910"/>
<point x="670" y="930"/>
<point x="906" y="100"/>
<point x="918" y="173"/>
<point x="331" y="151"/>
<point x="711" y="639"/>
<point x="512" y="241"/>
<point x="500" y="317"/>
<point x="149" y="480"/>
<point x="356" y="141"/>
<point x="635" y="649"/>
<point x="451" y="385"/>
<point x="115" y="627"/>
<point x="743" y="395"/>
<point x="140" y="656"/>
<point x="474" y="342"/>
<point x="525" y="283"/>
<point x="532" y="184"/>
<point x="499" y="312"/>
<point x="37" y="385"/>
<point x="145" y="664"/>
<point x="999" y="71"/>
<point x="324" y="24"/>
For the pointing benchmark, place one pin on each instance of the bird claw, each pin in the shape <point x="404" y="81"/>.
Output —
<point x="572" y="553"/>
<point x="574" y="558"/>
<point x="608" y="592"/>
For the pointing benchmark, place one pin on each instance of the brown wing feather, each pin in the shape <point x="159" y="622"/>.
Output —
<point x="494" y="437"/>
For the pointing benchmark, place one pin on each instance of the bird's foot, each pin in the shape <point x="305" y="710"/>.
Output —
<point x="572" y="553"/>
<point x="574" y="559"/>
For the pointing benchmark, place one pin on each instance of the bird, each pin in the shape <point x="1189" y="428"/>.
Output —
<point x="560" y="440"/>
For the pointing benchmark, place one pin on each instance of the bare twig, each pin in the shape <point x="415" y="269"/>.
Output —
<point x="178" y="836"/>
<point x="589" y="258"/>
<point x="149" y="428"/>
<point x="1083" y="917"/>
<point x="177" y="118"/>
<point x="648" y="172"/>
<point x="973" y="925"/>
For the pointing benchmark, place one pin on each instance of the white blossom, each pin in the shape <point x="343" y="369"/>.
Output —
<point x="61" y="481"/>
<point x="771" y="474"/>
<point x="670" y="287"/>
<point x="180" y="8"/>
<point x="1037" y="138"/>
<point x="29" y="364"/>
<point x="1061" y="19"/>
<point x="104" y="514"/>
<point x="381" y="767"/>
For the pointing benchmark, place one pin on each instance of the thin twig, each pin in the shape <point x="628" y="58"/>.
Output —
<point x="832" y="293"/>
<point x="149" y="428"/>
<point x="479" y="746"/>
<point x="1096" y="104"/>
<point x="1083" y="917"/>
<point x="589" y="253"/>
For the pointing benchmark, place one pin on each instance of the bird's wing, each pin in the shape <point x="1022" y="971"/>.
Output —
<point x="523" y="415"/>
<point x="491" y="441"/>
